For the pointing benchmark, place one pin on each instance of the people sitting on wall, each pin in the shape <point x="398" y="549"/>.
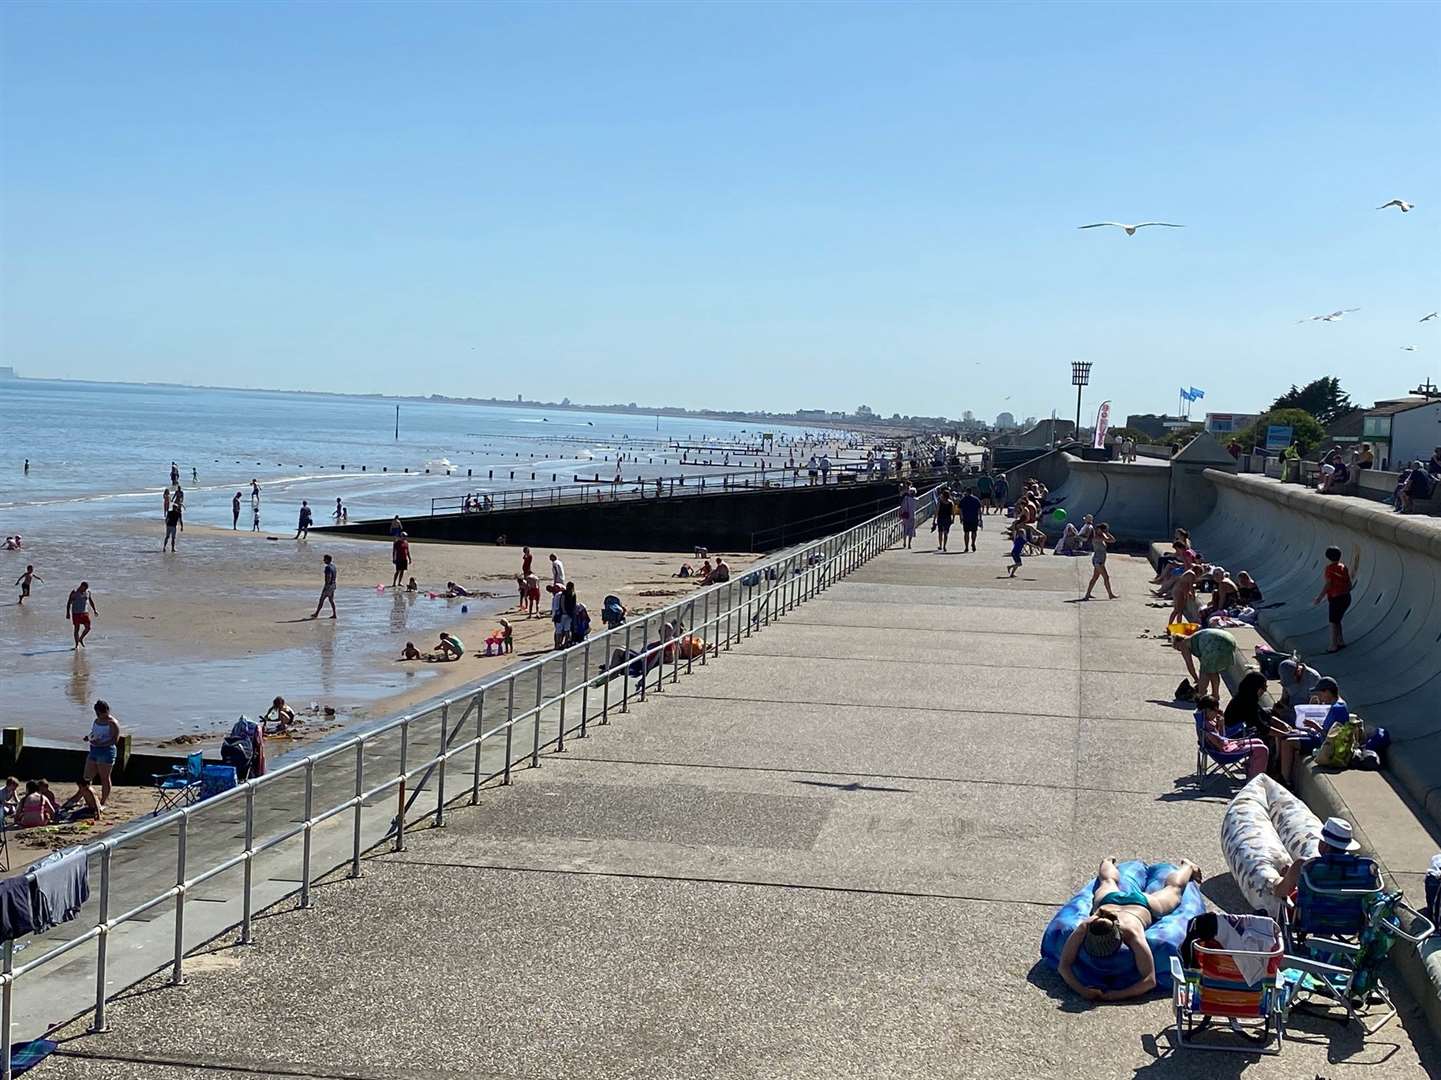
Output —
<point x="1416" y="483"/>
<point x="1248" y="593"/>
<point x="1434" y="465"/>
<point x="1303" y="735"/>
<point x="1223" y="594"/>
<point x="1334" y="473"/>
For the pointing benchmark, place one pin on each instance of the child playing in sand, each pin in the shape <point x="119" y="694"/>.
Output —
<point x="532" y="595"/>
<point x="507" y="644"/>
<point x="279" y="714"/>
<point x="451" y="648"/>
<point x="410" y="652"/>
<point x="411" y="586"/>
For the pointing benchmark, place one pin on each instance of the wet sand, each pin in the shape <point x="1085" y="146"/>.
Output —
<point x="184" y="643"/>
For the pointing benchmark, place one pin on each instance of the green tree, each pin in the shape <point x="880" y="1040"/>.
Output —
<point x="1305" y="428"/>
<point x="1323" y="398"/>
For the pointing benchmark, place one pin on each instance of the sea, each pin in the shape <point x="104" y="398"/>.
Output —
<point x="90" y="506"/>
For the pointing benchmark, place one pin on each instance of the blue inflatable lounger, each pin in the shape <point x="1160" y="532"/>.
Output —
<point x="1118" y="971"/>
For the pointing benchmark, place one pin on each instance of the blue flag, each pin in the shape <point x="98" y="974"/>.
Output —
<point x="1196" y="395"/>
<point x="1186" y="394"/>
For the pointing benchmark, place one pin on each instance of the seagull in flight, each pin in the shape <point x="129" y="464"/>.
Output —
<point x="1130" y="229"/>
<point x="1335" y="316"/>
<point x="1408" y="348"/>
<point x="1405" y="206"/>
<point x="1428" y="318"/>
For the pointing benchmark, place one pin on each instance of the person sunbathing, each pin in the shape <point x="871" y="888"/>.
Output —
<point x="1121" y="916"/>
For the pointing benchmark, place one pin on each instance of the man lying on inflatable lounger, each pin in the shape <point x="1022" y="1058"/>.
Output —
<point x="1120" y="915"/>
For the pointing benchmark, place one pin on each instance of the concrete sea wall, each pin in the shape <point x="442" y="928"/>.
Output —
<point x="1390" y="670"/>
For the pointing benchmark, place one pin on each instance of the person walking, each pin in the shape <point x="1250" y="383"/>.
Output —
<point x="1337" y="583"/>
<point x="104" y="740"/>
<point x="302" y="530"/>
<point x="400" y="556"/>
<point x="235" y="512"/>
<point x="984" y="486"/>
<point x="78" y="606"/>
<point x="970" y="508"/>
<point x="908" y="516"/>
<point x="327" y="590"/>
<point x="24" y="580"/>
<point x="1101" y="538"/>
<point x="557" y="571"/>
<point x="945" y="514"/>
<point x="172" y="523"/>
<point x="174" y="474"/>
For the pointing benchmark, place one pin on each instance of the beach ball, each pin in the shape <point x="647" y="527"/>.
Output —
<point x="1058" y="515"/>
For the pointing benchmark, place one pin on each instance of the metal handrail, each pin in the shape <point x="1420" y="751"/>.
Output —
<point x="602" y="489"/>
<point x="704" y="625"/>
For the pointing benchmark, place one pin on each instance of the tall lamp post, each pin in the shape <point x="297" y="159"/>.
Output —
<point x="1080" y="378"/>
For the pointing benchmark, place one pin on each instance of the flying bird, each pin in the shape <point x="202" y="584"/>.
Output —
<point x="1408" y="348"/>
<point x="1335" y="316"/>
<point x="1402" y="203"/>
<point x="1428" y="318"/>
<point x="1130" y="229"/>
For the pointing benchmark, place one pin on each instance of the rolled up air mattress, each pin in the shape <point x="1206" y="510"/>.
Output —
<point x="1264" y="829"/>
<point x="1164" y="936"/>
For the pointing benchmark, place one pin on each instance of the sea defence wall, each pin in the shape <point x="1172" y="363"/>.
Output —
<point x="754" y="519"/>
<point x="1390" y="670"/>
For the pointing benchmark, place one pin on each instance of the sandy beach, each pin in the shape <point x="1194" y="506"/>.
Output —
<point x="183" y="643"/>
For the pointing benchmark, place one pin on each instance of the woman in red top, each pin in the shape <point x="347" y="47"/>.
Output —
<point x="1336" y="587"/>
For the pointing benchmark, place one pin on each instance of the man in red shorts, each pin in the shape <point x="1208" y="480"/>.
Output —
<point x="78" y="607"/>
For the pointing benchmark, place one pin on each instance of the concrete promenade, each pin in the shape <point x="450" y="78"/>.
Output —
<point x="830" y="854"/>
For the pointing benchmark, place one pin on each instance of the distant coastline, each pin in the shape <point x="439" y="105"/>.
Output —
<point x="815" y="418"/>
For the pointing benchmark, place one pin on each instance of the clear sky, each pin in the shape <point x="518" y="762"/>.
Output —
<point x="728" y="205"/>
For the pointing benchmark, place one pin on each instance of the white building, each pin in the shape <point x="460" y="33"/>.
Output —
<point x="1403" y="430"/>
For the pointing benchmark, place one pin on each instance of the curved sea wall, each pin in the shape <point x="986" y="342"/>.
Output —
<point x="1390" y="670"/>
<point x="1133" y="499"/>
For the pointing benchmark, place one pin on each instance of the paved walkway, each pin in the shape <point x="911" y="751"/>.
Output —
<point x="830" y="853"/>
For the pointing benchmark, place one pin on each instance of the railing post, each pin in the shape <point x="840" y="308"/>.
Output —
<point x="509" y="723"/>
<point x="479" y="745"/>
<point x="305" y="839"/>
<point x="584" y="685"/>
<point x="247" y="899"/>
<point x="710" y="631"/>
<point x="355" y="824"/>
<point x="730" y="596"/>
<point x="440" y="769"/>
<point x="564" y="672"/>
<point x="7" y="1003"/>
<point x="404" y="757"/>
<point x="539" y="693"/>
<point x="177" y="973"/>
<point x="605" y="680"/>
<point x="625" y="673"/>
<point x="102" y="954"/>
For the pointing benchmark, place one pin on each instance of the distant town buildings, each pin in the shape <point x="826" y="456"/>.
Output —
<point x="1005" y="420"/>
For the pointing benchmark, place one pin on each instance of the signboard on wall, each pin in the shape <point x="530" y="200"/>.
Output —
<point x="1278" y="436"/>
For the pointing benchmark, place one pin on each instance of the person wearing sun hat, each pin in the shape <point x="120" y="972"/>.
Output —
<point x="1336" y="839"/>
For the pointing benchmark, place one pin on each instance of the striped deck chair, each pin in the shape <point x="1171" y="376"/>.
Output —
<point x="1255" y="1012"/>
<point x="1211" y="761"/>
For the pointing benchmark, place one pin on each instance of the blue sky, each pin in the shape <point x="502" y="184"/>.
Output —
<point x="732" y="205"/>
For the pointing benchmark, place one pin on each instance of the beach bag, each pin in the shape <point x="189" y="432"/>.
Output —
<point x="580" y="625"/>
<point x="1340" y="745"/>
<point x="236" y="752"/>
<point x="1366" y="759"/>
<point x="610" y="611"/>
<point x="1185" y="691"/>
<point x="1269" y="661"/>
<point x="1378" y="739"/>
<point x="752" y="579"/>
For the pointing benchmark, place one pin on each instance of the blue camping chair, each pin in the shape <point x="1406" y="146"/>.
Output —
<point x="181" y="785"/>
<point x="1212" y="762"/>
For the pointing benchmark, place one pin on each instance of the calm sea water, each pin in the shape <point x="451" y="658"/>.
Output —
<point x="90" y="507"/>
<point x="108" y="448"/>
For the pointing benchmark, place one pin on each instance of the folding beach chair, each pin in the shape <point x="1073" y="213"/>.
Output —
<point x="1255" y="1012"/>
<point x="1346" y="975"/>
<point x="181" y="785"/>
<point x="1212" y="762"/>
<point x="1333" y="899"/>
